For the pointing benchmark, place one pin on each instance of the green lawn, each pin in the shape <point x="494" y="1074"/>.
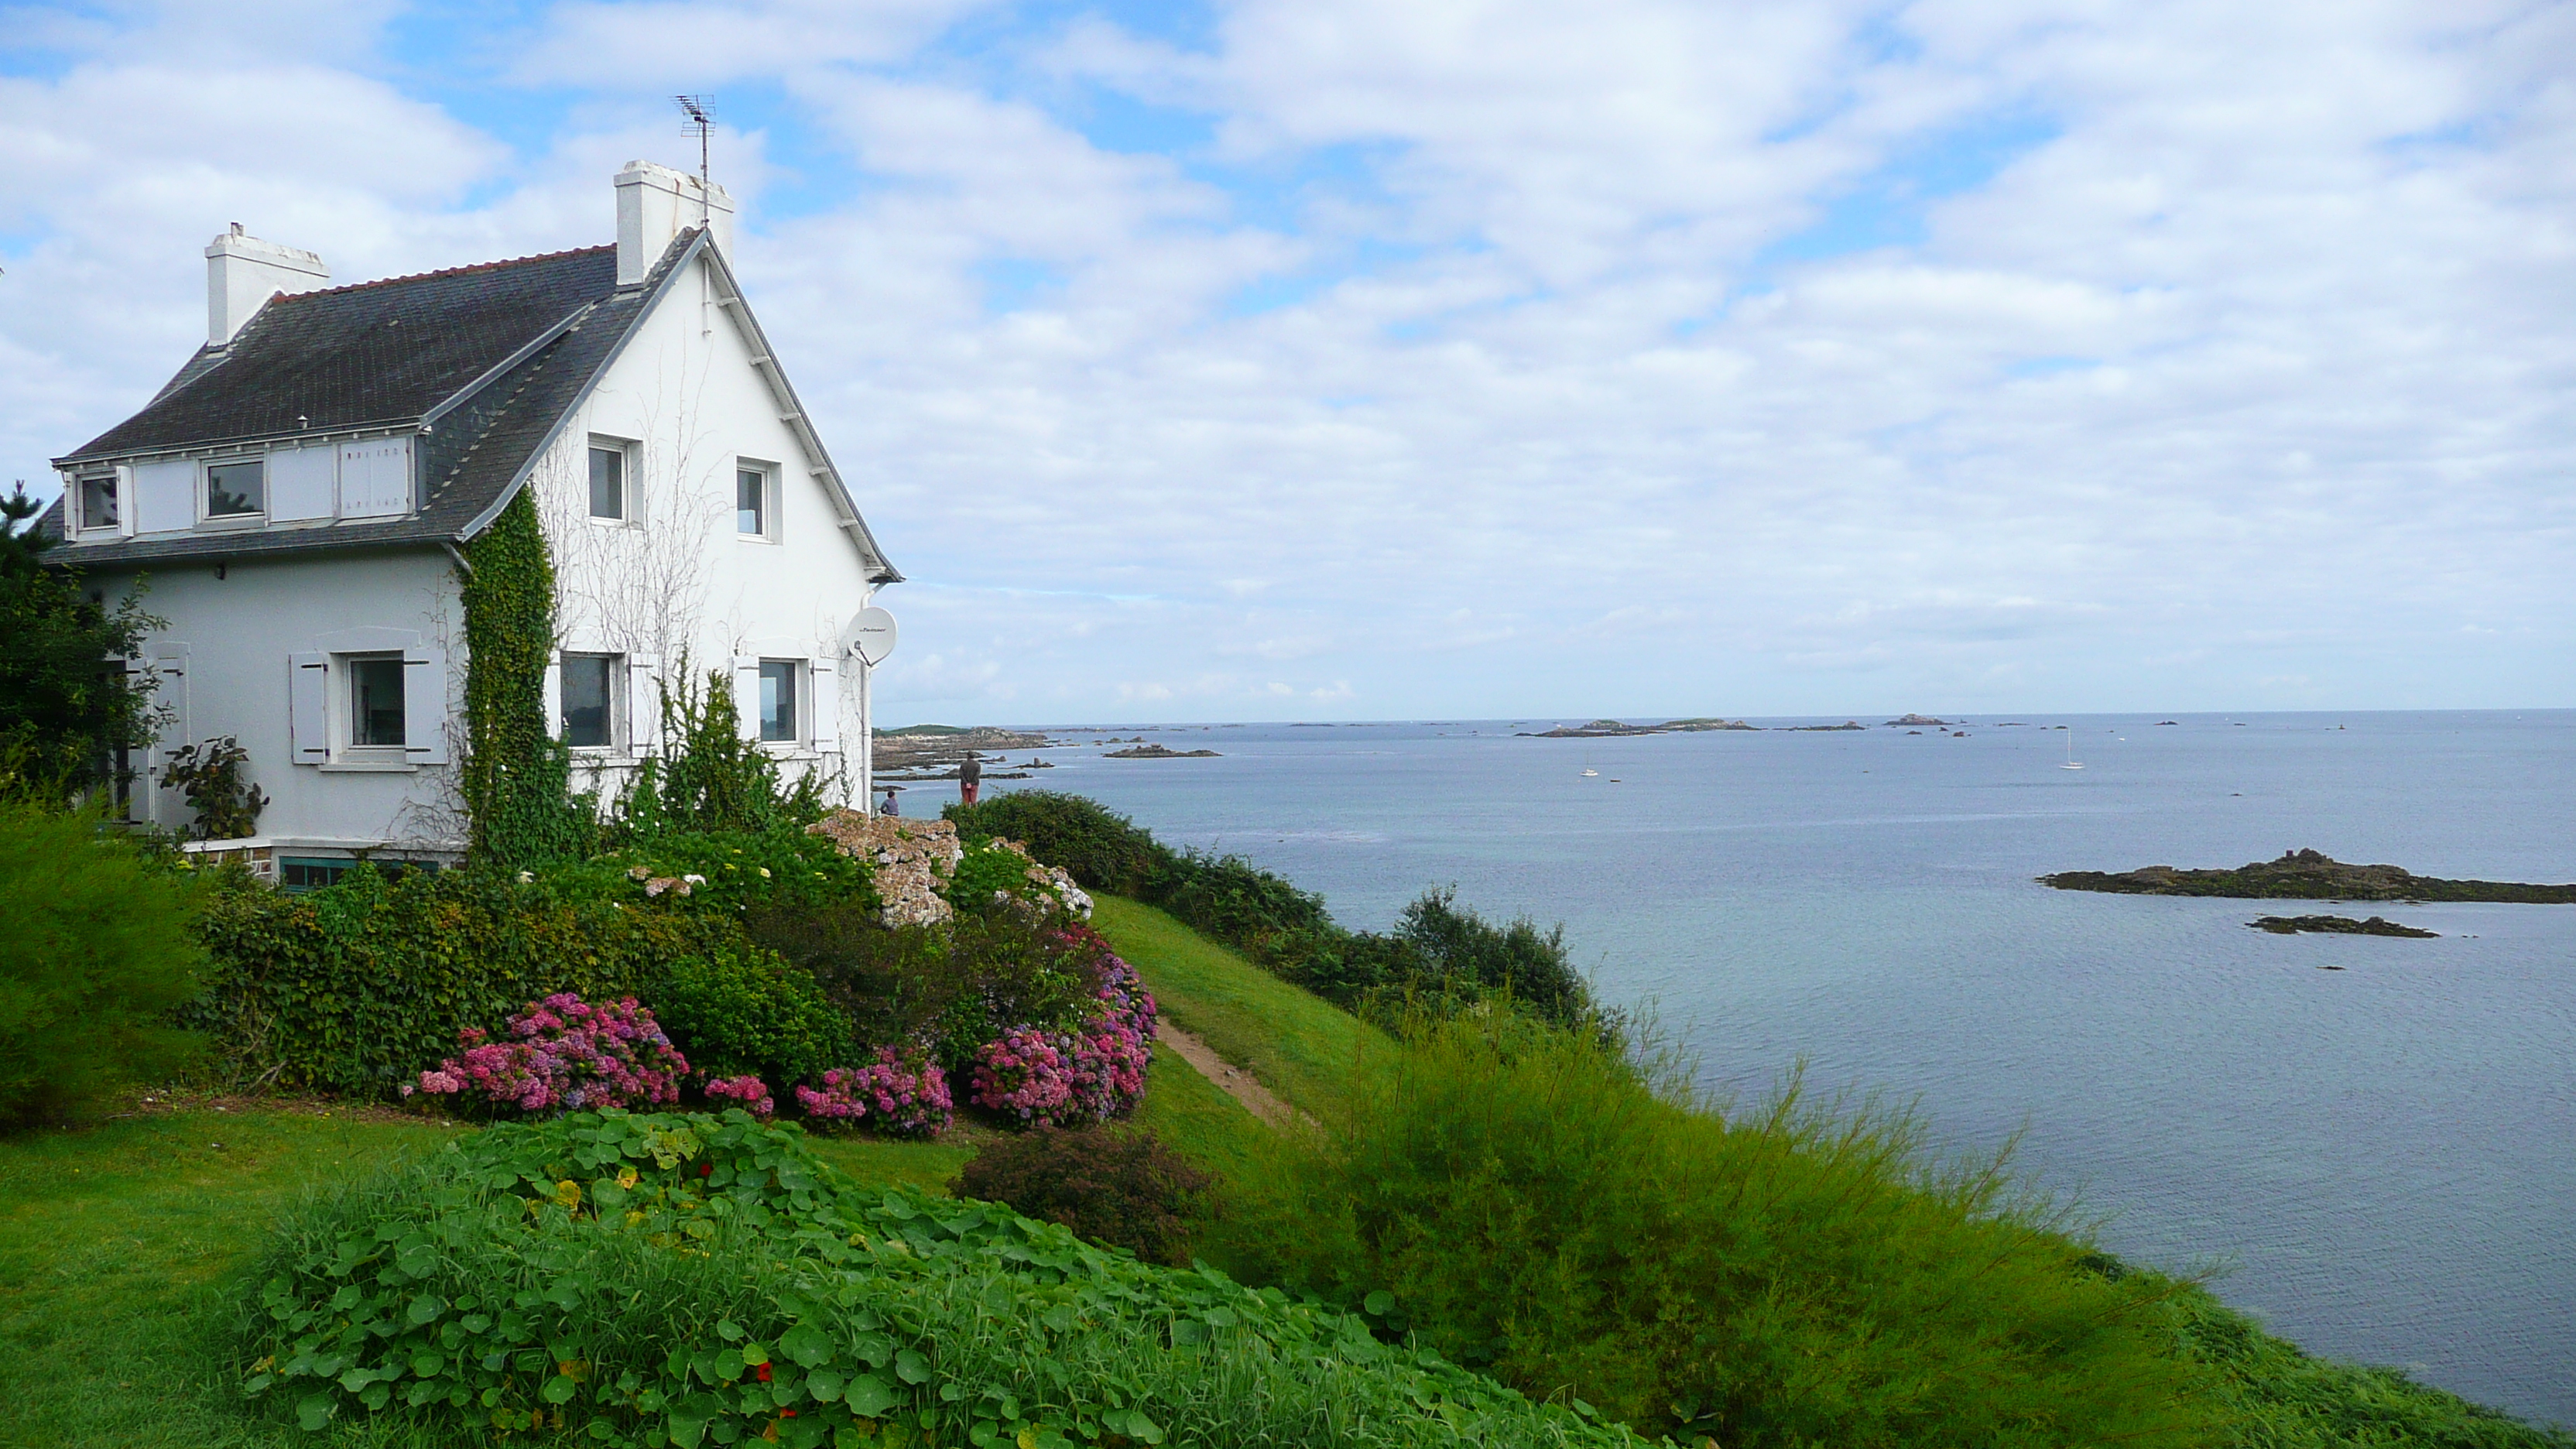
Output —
<point x="116" y="1242"/>
<point x="1299" y="1045"/>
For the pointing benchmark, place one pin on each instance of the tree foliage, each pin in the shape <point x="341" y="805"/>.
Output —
<point x="63" y="713"/>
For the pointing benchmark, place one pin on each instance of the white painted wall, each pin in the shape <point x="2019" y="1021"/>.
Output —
<point x="239" y="633"/>
<point x="677" y="579"/>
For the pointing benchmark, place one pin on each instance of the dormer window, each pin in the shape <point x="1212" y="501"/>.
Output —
<point x="97" y="501"/>
<point x="236" y="489"/>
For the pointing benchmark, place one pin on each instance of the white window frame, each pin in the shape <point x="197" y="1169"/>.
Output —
<point x="769" y="500"/>
<point x="206" y="467"/>
<point x="344" y="705"/>
<point x="78" y="507"/>
<point x="620" y="729"/>
<point x="629" y="474"/>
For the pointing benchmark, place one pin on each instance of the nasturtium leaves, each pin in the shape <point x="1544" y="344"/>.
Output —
<point x="426" y="1307"/>
<point x="911" y="1367"/>
<point x="1379" y="1304"/>
<point x="754" y="1354"/>
<point x="807" y="1345"/>
<point x="869" y="1396"/>
<point x="825" y="1384"/>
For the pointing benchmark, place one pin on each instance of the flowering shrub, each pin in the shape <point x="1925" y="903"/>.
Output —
<point x="1024" y="1074"/>
<point x="565" y="1055"/>
<point x="904" y="1095"/>
<point x="1089" y="1071"/>
<point x="747" y="1092"/>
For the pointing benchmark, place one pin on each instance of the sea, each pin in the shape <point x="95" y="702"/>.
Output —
<point x="2371" y="1141"/>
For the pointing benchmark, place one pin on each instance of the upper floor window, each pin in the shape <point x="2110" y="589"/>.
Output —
<point x="376" y="700"/>
<point x="97" y="501"/>
<point x="607" y="479"/>
<point x="778" y="700"/>
<point x="751" y="501"/>
<point x="236" y="489"/>
<point x="589" y="684"/>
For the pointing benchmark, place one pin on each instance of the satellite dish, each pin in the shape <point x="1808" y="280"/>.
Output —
<point x="870" y="636"/>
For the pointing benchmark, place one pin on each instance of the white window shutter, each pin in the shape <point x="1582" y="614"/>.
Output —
<point x="826" y="704"/>
<point x="746" y="693"/>
<point x="424" y="707"/>
<point x="170" y="696"/>
<point x="553" y="696"/>
<point x="643" y="703"/>
<point x="308" y="712"/>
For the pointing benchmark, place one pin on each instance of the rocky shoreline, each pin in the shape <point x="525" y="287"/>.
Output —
<point x="2307" y="875"/>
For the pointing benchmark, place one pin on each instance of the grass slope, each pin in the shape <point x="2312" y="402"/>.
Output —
<point x="1299" y="1045"/>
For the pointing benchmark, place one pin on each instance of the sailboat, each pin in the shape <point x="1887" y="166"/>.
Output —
<point x="2071" y="762"/>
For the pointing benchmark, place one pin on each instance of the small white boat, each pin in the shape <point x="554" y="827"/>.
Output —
<point x="1588" y="774"/>
<point x="2071" y="762"/>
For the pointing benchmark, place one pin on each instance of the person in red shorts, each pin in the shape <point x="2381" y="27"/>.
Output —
<point x="970" y="778"/>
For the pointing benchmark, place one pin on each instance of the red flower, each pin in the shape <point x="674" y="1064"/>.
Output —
<point x="787" y="1413"/>
<point x="706" y="1169"/>
<point x="763" y="1373"/>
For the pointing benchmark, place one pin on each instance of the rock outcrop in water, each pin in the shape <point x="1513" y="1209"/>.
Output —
<point x="2336" y="926"/>
<point x="1159" y="752"/>
<point x="2310" y="876"/>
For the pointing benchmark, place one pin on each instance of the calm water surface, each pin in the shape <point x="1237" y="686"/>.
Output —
<point x="2383" y="1158"/>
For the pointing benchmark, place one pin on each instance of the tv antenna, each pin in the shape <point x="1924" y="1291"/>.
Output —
<point x="701" y="121"/>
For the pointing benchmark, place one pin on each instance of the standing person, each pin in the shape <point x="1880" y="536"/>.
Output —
<point x="970" y="778"/>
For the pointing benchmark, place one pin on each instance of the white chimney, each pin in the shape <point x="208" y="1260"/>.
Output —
<point x="655" y="204"/>
<point x="243" y="272"/>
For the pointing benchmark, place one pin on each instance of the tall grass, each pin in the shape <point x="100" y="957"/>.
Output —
<point x="1536" y="1203"/>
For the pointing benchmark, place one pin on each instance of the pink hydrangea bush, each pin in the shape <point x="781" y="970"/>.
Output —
<point x="746" y="1091"/>
<point x="565" y="1055"/>
<point x="903" y="1095"/>
<point x="1089" y="1072"/>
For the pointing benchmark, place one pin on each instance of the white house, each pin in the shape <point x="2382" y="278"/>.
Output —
<point x="296" y="498"/>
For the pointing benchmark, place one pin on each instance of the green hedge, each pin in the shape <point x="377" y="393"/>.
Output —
<point x="357" y="987"/>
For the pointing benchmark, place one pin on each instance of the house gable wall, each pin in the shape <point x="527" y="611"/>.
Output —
<point x="677" y="578"/>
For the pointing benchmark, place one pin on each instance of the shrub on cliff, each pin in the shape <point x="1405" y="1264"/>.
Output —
<point x="1531" y="1202"/>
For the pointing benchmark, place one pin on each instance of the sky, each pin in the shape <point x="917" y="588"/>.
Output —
<point x="1339" y="359"/>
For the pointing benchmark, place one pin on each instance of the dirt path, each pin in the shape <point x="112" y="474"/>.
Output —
<point x="1257" y="1099"/>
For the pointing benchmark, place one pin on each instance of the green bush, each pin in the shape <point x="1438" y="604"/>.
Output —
<point x="94" y="953"/>
<point x="358" y="987"/>
<point x="986" y="872"/>
<point x="1115" y="1185"/>
<point x="707" y="776"/>
<point x="1102" y="850"/>
<point x="1530" y="1201"/>
<point x="740" y="1009"/>
<point x="533" y="1278"/>
<point x="951" y="987"/>
<point x="734" y="868"/>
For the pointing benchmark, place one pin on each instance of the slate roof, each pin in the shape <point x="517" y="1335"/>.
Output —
<point x="492" y="357"/>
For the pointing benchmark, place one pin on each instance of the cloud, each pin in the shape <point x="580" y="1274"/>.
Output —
<point x="1502" y="358"/>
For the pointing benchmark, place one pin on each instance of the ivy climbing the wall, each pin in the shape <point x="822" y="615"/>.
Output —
<point x="517" y="778"/>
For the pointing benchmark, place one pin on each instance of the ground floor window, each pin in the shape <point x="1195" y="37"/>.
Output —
<point x="589" y="684"/>
<point x="778" y="700"/>
<point x="376" y="700"/>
